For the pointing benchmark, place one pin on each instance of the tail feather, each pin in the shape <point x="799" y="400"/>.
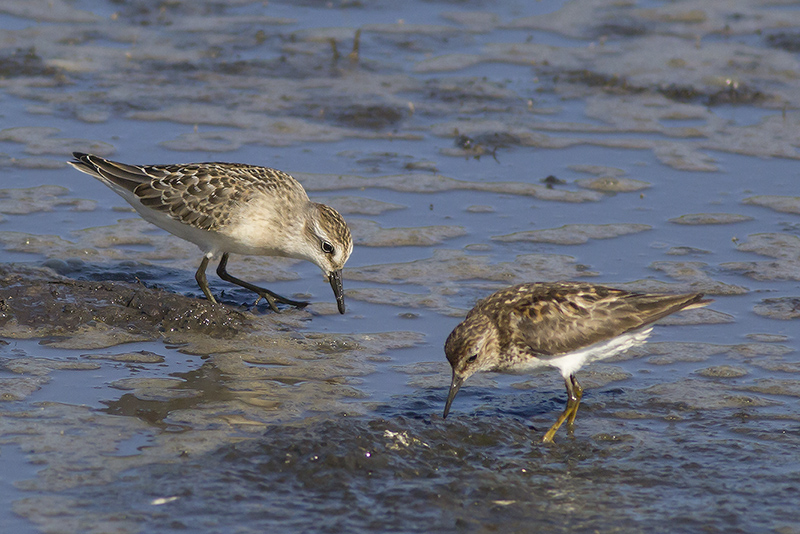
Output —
<point x="699" y="303"/>
<point x="659" y="306"/>
<point x="123" y="176"/>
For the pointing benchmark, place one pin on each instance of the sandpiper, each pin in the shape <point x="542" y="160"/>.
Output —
<point x="231" y="208"/>
<point x="561" y="324"/>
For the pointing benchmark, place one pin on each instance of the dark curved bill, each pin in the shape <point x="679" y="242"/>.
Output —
<point x="335" y="278"/>
<point x="455" y="385"/>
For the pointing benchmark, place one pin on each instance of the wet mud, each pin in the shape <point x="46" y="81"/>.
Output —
<point x="37" y="303"/>
<point x="246" y="351"/>
<point x="649" y="146"/>
<point x="466" y="475"/>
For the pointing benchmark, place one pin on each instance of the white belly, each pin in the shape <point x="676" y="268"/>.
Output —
<point x="570" y="362"/>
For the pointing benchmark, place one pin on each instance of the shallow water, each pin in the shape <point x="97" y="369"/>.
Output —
<point x="671" y="129"/>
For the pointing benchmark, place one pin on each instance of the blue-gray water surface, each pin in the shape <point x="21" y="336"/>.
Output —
<point x="470" y="145"/>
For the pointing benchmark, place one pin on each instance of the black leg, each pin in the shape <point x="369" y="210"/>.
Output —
<point x="271" y="297"/>
<point x="200" y="276"/>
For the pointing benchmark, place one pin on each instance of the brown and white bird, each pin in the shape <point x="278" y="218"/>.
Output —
<point x="565" y="325"/>
<point x="231" y="208"/>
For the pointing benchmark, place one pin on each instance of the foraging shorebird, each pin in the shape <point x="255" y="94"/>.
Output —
<point x="563" y="324"/>
<point x="232" y="208"/>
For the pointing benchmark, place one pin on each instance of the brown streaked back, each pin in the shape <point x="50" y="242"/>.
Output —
<point x="556" y="318"/>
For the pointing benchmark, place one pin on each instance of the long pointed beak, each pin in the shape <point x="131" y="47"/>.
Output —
<point x="455" y="385"/>
<point x="335" y="278"/>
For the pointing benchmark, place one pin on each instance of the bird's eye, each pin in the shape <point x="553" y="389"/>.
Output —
<point x="472" y="358"/>
<point x="327" y="248"/>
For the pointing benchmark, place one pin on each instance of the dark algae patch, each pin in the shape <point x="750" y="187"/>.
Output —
<point x="52" y="305"/>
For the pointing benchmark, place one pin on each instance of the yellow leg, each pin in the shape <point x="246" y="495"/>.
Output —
<point x="548" y="437"/>
<point x="574" y="394"/>
<point x="578" y="391"/>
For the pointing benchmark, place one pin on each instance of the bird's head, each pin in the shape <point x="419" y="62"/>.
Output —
<point x="329" y="246"/>
<point x="471" y="347"/>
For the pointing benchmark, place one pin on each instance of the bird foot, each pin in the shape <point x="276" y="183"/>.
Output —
<point x="273" y="299"/>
